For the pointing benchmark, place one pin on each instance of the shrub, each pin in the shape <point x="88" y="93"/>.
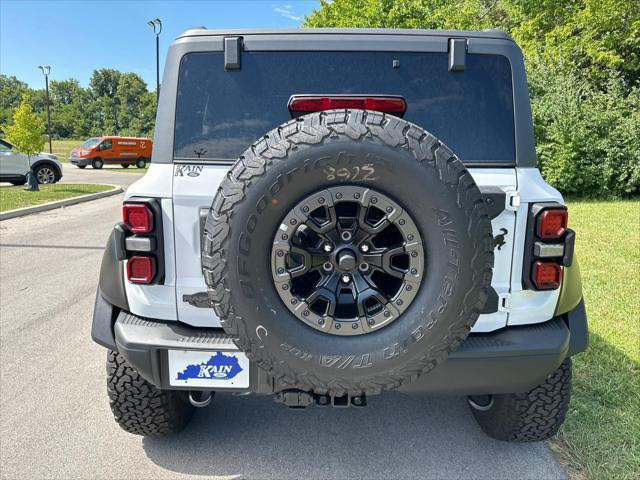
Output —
<point x="588" y="140"/>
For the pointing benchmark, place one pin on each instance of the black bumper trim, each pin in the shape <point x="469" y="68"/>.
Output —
<point x="514" y="359"/>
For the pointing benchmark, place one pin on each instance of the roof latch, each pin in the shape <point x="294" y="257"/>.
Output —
<point x="232" y="53"/>
<point x="457" y="54"/>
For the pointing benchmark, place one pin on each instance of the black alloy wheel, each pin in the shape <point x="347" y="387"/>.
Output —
<point x="347" y="260"/>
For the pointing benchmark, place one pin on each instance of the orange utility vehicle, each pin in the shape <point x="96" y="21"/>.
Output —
<point x="98" y="151"/>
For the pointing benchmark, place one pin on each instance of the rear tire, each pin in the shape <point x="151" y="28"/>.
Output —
<point x="125" y="165"/>
<point x="81" y="167"/>
<point x="141" y="408"/>
<point x="141" y="162"/>
<point x="526" y="417"/>
<point x="18" y="182"/>
<point x="97" y="163"/>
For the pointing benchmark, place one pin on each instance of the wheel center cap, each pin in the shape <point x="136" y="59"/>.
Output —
<point x="346" y="260"/>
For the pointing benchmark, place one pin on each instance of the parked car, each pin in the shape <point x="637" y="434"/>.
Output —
<point x="321" y="233"/>
<point x="100" y="151"/>
<point x="13" y="166"/>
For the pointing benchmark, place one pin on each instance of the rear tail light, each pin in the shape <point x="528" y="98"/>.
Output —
<point x="548" y="246"/>
<point x="140" y="269"/>
<point x="302" y="104"/>
<point x="546" y="275"/>
<point x="143" y="245"/>
<point x="552" y="223"/>
<point x="137" y="217"/>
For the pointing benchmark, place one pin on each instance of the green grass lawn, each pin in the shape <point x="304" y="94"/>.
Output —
<point x="601" y="436"/>
<point x="17" y="197"/>
<point x="62" y="148"/>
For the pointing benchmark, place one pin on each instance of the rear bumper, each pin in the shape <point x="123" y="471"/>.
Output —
<point x="514" y="359"/>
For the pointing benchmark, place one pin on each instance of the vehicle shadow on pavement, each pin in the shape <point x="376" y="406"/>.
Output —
<point x="396" y="436"/>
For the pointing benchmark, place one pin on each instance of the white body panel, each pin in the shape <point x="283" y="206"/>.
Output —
<point x="192" y="188"/>
<point x="528" y="306"/>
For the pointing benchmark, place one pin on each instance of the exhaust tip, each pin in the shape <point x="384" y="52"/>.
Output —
<point x="200" y="399"/>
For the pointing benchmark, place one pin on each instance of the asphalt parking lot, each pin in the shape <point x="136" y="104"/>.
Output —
<point x="55" y="420"/>
<point x="108" y="174"/>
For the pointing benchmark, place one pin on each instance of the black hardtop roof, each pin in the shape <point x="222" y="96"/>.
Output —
<point x="204" y="32"/>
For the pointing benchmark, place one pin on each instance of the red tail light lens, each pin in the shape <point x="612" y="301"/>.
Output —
<point x="308" y="104"/>
<point x="140" y="269"/>
<point x="552" y="223"/>
<point x="137" y="217"/>
<point x="546" y="275"/>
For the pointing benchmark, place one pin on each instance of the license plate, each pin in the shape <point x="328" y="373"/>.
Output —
<point x="194" y="368"/>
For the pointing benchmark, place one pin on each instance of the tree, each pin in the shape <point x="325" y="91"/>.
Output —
<point x="11" y="92"/>
<point x="26" y="133"/>
<point x="130" y="94"/>
<point x="104" y="82"/>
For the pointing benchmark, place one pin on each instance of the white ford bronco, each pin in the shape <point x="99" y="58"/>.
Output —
<point x="333" y="214"/>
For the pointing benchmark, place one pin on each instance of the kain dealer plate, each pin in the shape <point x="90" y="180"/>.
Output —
<point x="191" y="368"/>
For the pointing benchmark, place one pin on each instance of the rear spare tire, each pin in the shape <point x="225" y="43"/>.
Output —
<point x="348" y="252"/>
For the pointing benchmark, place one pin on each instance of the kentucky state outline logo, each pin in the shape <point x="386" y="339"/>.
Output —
<point x="218" y="367"/>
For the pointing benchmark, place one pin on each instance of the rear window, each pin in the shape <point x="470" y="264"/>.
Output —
<point x="220" y="113"/>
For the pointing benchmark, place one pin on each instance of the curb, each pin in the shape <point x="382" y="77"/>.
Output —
<point x="20" y="212"/>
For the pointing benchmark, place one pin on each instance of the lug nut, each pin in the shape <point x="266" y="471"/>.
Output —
<point x="364" y="248"/>
<point x="327" y="247"/>
<point x="346" y="278"/>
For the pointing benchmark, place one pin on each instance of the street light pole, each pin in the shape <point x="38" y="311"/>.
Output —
<point x="156" y="24"/>
<point x="46" y="69"/>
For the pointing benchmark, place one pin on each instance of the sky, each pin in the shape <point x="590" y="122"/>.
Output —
<point x="75" y="37"/>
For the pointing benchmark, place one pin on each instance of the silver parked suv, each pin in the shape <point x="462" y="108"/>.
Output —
<point x="14" y="166"/>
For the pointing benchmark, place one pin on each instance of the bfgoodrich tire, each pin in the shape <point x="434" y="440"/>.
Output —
<point x="360" y="155"/>
<point x="526" y="417"/>
<point x="141" y="408"/>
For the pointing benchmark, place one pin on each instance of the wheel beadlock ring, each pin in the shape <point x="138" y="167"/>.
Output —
<point x="347" y="299"/>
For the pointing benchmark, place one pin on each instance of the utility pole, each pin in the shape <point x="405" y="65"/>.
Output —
<point x="156" y="24"/>
<point x="46" y="69"/>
